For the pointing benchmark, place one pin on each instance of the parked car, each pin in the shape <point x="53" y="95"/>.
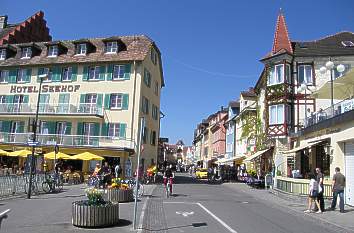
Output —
<point x="201" y="173"/>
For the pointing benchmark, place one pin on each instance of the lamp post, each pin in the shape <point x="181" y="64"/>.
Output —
<point x="34" y="138"/>
<point x="141" y="131"/>
<point x="330" y="67"/>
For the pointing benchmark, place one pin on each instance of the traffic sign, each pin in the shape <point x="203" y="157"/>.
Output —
<point x="33" y="143"/>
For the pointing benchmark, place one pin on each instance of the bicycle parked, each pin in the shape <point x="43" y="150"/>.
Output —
<point x="52" y="183"/>
<point x="131" y="182"/>
<point x="34" y="187"/>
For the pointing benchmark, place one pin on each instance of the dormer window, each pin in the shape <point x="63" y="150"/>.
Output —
<point x="53" y="51"/>
<point x="81" y="49"/>
<point x="348" y="43"/>
<point x="26" y="52"/>
<point x="2" y="54"/>
<point x="112" y="47"/>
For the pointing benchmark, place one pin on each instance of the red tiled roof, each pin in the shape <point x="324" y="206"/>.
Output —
<point x="281" y="36"/>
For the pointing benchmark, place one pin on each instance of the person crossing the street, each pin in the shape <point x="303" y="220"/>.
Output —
<point x="168" y="175"/>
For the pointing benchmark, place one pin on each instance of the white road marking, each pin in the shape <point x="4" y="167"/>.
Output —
<point x="217" y="218"/>
<point x="244" y="202"/>
<point x="208" y="211"/>
<point x="185" y="214"/>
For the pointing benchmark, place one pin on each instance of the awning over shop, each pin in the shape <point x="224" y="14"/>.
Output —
<point x="303" y="146"/>
<point x="226" y="161"/>
<point x="255" y="155"/>
<point x="343" y="88"/>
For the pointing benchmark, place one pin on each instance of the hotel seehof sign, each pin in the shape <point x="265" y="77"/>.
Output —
<point x="45" y="88"/>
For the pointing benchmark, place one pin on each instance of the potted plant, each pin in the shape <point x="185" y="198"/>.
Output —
<point x="119" y="191"/>
<point x="95" y="211"/>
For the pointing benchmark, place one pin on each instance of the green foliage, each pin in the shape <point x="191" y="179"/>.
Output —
<point x="95" y="197"/>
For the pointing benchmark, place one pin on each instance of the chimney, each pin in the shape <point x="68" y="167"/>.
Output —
<point x="3" y="21"/>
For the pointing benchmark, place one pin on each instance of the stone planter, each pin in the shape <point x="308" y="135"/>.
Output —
<point x="84" y="215"/>
<point x="119" y="195"/>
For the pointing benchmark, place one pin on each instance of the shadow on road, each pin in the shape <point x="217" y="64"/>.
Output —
<point x="198" y="224"/>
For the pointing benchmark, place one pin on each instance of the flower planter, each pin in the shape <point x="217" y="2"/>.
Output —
<point x="85" y="215"/>
<point x="119" y="195"/>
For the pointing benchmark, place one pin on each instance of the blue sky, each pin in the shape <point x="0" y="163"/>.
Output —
<point x="210" y="49"/>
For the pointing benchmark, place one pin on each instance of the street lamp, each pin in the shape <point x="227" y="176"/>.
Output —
<point x="34" y="137"/>
<point x="330" y="67"/>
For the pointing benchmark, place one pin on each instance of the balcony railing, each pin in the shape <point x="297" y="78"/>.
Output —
<point x="69" y="140"/>
<point x="66" y="109"/>
<point x="328" y="113"/>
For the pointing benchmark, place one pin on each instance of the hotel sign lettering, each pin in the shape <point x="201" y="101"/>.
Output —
<point x="45" y="88"/>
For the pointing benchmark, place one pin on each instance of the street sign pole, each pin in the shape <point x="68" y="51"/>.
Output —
<point x="141" y="131"/>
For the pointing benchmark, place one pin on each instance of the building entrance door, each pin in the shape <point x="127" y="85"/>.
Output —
<point x="349" y="173"/>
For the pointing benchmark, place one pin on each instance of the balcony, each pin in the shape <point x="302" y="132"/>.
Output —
<point x="69" y="140"/>
<point x="340" y="113"/>
<point x="49" y="109"/>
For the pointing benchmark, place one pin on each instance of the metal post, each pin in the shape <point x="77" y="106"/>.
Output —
<point x="306" y="121"/>
<point x="332" y="95"/>
<point x="142" y="125"/>
<point x="34" y="140"/>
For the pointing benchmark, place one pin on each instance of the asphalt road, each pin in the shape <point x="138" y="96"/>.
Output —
<point x="197" y="206"/>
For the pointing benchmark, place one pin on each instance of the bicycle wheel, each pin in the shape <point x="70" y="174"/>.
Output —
<point x="59" y="186"/>
<point x="46" y="187"/>
<point x="167" y="191"/>
<point x="141" y="190"/>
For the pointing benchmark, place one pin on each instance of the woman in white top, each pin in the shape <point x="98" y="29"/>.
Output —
<point x="313" y="187"/>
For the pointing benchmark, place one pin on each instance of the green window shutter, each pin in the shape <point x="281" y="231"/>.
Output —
<point x="56" y="74"/>
<point x="107" y="99"/>
<point x="51" y="127"/>
<point x="63" y="98"/>
<point x="80" y="128"/>
<point x="122" y="130"/>
<point x="125" y="101"/>
<point x="102" y="73"/>
<point x="6" y="126"/>
<point x="25" y="99"/>
<point x="68" y="128"/>
<point x="127" y="71"/>
<point x="74" y="73"/>
<point x="96" y="130"/>
<point x="82" y="98"/>
<point x="99" y="100"/>
<point x="28" y="75"/>
<point x="13" y="76"/>
<point x="104" y="131"/>
<point x="40" y="72"/>
<point x="85" y="73"/>
<point x="21" y="127"/>
<point x="9" y="99"/>
<point x="43" y="98"/>
<point x="109" y="75"/>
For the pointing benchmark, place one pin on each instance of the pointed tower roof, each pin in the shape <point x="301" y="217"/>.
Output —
<point x="281" y="36"/>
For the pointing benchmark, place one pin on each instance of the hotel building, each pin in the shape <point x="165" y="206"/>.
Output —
<point x="94" y="93"/>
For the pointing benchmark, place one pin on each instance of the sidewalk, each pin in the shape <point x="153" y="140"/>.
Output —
<point x="341" y="221"/>
<point x="52" y="213"/>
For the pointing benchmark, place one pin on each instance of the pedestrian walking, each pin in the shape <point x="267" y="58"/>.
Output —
<point x="117" y="170"/>
<point x="313" y="188"/>
<point x="338" y="185"/>
<point x="319" y="179"/>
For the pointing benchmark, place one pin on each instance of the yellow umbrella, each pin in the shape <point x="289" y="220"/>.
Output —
<point x="60" y="155"/>
<point x="87" y="156"/>
<point x="2" y="152"/>
<point x="20" y="153"/>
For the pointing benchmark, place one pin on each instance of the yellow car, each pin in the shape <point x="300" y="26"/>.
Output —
<point x="201" y="173"/>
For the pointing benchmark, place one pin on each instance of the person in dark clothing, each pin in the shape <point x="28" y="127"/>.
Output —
<point x="168" y="174"/>
<point x="338" y="185"/>
<point x="319" y="179"/>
